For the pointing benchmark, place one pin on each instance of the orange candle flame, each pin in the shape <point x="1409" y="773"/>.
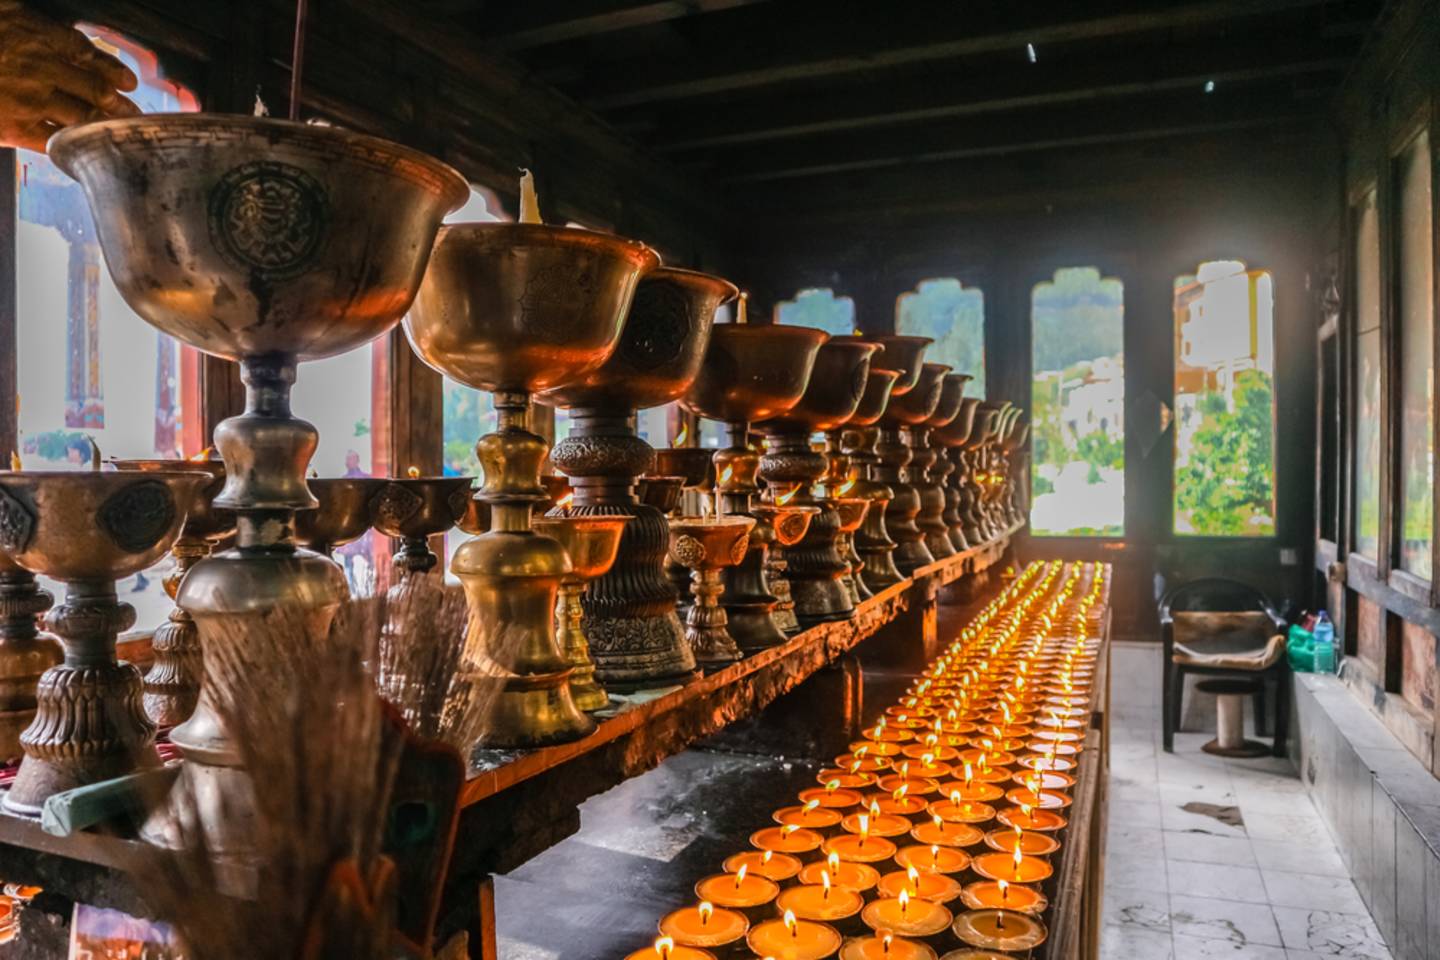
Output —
<point x="706" y="908"/>
<point x="833" y="862"/>
<point x="791" y="924"/>
<point x="564" y="502"/>
<point x="412" y="472"/>
<point x="663" y="946"/>
<point x="913" y="876"/>
<point x="740" y="875"/>
<point x="825" y="880"/>
<point x="682" y="436"/>
<point x="885" y="942"/>
<point x="864" y="828"/>
<point x="844" y="489"/>
<point x="726" y="474"/>
<point x="768" y="855"/>
<point x="1018" y="858"/>
<point x="203" y="455"/>
<point x="904" y="899"/>
<point x="1004" y="890"/>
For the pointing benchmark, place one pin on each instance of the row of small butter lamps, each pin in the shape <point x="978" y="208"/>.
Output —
<point x="1007" y="702"/>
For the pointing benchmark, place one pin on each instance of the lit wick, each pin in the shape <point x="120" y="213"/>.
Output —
<point x="825" y="879"/>
<point x="663" y="946"/>
<point x="412" y="472"/>
<point x="740" y="875"/>
<point x="790" y="923"/>
<point x="706" y="908"/>
<point x="885" y="943"/>
<point x="904" y="901"/>
<point x="864" y="828"/>
<point x="1004" y="891"/>
<point x="15" y="463"/>
<point x="741" y="313"/>
<point x="913" y="876"/>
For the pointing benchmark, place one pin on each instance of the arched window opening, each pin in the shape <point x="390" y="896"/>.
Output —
<point x="818" y="307"/>
<point x="1078" y="405"/>
<point x="1225" y="401"/>
<point x="954" y="317"/>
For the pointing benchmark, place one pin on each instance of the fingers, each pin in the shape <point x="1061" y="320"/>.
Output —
<point x="63" y="110"/>
<point x="92" y="88"/>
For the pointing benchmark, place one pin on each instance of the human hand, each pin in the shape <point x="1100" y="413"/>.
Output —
<point x="52" y="76"/>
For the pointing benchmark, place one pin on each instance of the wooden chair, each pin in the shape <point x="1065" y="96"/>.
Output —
<point x="1221" y="627"/>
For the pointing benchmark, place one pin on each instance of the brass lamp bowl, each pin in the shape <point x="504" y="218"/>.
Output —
<point x="957" y="431"/>
<point x="903" y="354"/>
<point x="661" y="346"/>
<point x="918" y="405"/>
<point x="788" y="523"/>
<point x="278" y="237"/>
<point x="692" y="464"/>
<point x="204" y="521"/>
<point x="952" y="395"/>
<point x="988" y="421"/>
<point x="878" y="387"/>
<point x="524" y="307"/>
<point x="753" y="372"/>
<point x="91" y="525"/>
<point x="837" y="384"/>
<point x="662" y="493"/>
<point x="343" y="515"/>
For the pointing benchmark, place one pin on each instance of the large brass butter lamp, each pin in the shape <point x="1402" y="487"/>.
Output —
<point x="172" y="684"/>
<point x="270" y="243"/>
<point x="635" y="636"/>
<point x="931" y="518"/>
<point x="751" y="372"/>
<point x="592" y="542"/>
<point x="952" y="439"/>
<point x="815" y="568"/>
<point x="914" y="408"/>
<point x="413" y="509"/>
<point x="87" y="530"/>
<point x="516" y="308"/>
<point x="25" y="652"/>
<point x="343" y="515"/>
<point x="873" y="541"/>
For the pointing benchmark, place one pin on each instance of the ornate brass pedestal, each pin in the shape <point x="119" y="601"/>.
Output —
<point x="25" y="652"/>
<point x="849" y="469"/>
<point x="707" y="545"/>
<point x="514" y="309"/>
<point x="850" y="513"/>
<point x="592" y="543"/>
<point x="88" y="530"/>
<point x="636" y="638"/>
<point x="1016" y="456"/>
<point x="952" y="439"/>
<point x="277" y="242"/>
<point x="922" y="470"/>
<point x="750" y="372"/>
<point x="816" y="568"/>
<point x="873" y="542"/>
<point x="915" y="407"/>
<point x="172" y="684"/>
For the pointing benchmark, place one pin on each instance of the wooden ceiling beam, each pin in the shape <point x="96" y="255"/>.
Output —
<point x="537" y="23"/>
<point x="1034" y="132"/>
<point x="912" y="38"/>
<point x="787" y="119"/>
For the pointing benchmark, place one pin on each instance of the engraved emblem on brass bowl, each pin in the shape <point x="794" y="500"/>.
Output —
<point x="790" y="528"/>
<point x="268" y="217"/>
<point x="658" y="328"/>
<point x="550" y="289"/>
<point x="138" y="516"/>
<point x="739" y="549"/>
<point x="688" y="550"/>
<point x="394" y="505"/>
<point x="17" y="523"/>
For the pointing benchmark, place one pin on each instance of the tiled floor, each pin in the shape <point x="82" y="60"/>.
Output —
<point x="1209" y="857"/>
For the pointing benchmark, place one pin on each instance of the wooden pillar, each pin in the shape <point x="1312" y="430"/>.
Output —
<point x="9" y="318"/>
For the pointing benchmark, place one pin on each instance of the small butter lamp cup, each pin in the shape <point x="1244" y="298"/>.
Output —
<point x="707" y="545"/>
<point x="26" y="652"/>
<point x="925" y="472"/>
<point x="516" y="308"/>
<point x="414" y="509"/>
<point x="268" y="242"/>
<point x="783" y="526"/>
<point x="635" y="634"/>
<point x="694" y="467"/>
<point x="87" y="530"/>
<point x="951" y="438"/>
<point x="905" y="413"/>
<point x="987" y="425"/>
<point x="850" y="513"/>
<point x="592" y="542"/>
<point x="172" y="684"/>
<point x="881" y="454"/>
<point x="343" y="515"/>
<point x="816" y="569"/>
<point x="751" y="372"/>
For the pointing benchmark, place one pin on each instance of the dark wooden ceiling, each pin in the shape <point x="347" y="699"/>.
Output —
<point x="788" y="98"/>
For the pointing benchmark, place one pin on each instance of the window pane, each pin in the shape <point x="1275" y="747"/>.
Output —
<point x="1367" y="373"/>
<point x="1415" y="309"/>
<point x="1225" y="402"/>
<point x="89" y="367"/>
<point x="952" y="316"/>
<point x="1078" y="405"/>
<point x="820" y="309"/>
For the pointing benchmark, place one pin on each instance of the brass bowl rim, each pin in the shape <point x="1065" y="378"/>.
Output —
<point x="118" y="474"/>
<point x="820" y="337"/>
<point x="728" y="290"/>
<point x="64" y="144"/>
<point x="702" y="521"/>
<point x="642" y="254"/>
